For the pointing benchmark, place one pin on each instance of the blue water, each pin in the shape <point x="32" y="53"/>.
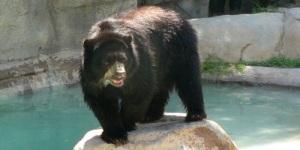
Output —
<point x="58" y="118"/>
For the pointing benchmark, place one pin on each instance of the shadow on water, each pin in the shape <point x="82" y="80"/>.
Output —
<point x="255" y="117"/>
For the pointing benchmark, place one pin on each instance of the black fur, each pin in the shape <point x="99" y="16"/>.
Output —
<point x="161" y="53"/>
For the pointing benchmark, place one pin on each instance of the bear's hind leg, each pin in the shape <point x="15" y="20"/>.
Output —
<point x="188" y="86"/>
<point x="106" y="111"/>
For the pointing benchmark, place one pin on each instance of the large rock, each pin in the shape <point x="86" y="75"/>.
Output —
<point x="291" y="39"/>
<point x="170" y="133"/>
<point x="246" y="37"/>
<point x="32" y="27"/>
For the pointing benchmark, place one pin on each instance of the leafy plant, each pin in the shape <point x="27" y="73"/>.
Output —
<point x="261" y="7"/>
<point x="218" y="67"/>
<point x="280" y="62"/>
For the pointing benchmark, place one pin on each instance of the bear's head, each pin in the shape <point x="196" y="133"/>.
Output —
<point x="108" y="59"/>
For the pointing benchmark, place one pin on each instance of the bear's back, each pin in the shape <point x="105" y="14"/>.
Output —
<point x="151" y="18"/>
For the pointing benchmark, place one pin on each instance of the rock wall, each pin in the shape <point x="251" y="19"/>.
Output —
<point x="250" y="37"/>
<point x="33" y="33"/>
<point x="33" y="27"/>
<point x="45" y="71"/>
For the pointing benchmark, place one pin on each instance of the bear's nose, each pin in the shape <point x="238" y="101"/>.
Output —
<point x="119" y="71"/>
<point x="121" y="75"/>
<point x="119" y="68"/>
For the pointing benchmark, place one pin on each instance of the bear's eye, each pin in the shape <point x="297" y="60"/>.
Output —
<point x="123" y="60"/>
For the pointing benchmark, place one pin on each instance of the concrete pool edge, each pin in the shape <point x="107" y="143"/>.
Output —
<point x="256" y="75"/>
<point x="61" y="68"/>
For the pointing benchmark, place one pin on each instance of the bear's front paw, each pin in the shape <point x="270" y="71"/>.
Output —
<point x="115" y="138"/>
<point x="195" y="116"/>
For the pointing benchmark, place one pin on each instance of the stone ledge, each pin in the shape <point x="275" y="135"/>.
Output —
<point x="37" y="73"/>
<point x="286" y="77"/>
<point x="169" y="133"/>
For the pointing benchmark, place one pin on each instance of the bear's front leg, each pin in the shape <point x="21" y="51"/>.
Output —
<point x="113" y="129"/>
<point x="106" y="111"/>
<point x="114" y="133"/>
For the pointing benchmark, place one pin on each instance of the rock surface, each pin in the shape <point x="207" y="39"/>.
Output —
<point x="170" y="133"/>
<point x="34" y="74"/>
<point x="246" y="37"/>
<point x="291" y="39"/>
<point x="41" y="40"/>
<point x="33" y="27"/>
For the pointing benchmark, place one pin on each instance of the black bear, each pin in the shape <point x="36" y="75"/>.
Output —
<point x="130" y="64"/>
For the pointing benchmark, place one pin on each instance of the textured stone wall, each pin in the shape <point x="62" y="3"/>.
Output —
<point x="33" y="27"/>
<point x="41" y="39"/>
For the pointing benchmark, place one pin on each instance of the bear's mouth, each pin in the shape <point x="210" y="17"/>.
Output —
<point x="114" y="79"/>
<point x="113" y="82"/>
<point x="117" y="82"/>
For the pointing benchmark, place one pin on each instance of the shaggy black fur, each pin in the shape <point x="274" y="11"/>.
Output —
<point x="159" y="52"/>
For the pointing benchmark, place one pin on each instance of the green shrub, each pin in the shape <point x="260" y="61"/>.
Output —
<point x="216" y="66"/>
<point x="280" y="62"/>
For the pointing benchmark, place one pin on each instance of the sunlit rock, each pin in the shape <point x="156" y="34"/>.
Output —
<point x="169" y="133"/>
<point x="247" y="37"/>
<point x="291" y="37"/>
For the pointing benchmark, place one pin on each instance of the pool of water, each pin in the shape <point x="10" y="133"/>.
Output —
<point x="57" y="118"/>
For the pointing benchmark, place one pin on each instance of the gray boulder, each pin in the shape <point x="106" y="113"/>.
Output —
<point x="240" y="37"/>
<point x="291" y="39"/>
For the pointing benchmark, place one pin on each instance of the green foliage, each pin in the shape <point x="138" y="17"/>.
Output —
<point x="218" y="67"/>
<point x="260" y="7"/>
<point x="280" y="62"/>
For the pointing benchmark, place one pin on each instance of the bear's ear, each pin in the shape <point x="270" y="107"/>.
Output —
<point x="105" y="25"/>
<point x="88" y="44"/>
